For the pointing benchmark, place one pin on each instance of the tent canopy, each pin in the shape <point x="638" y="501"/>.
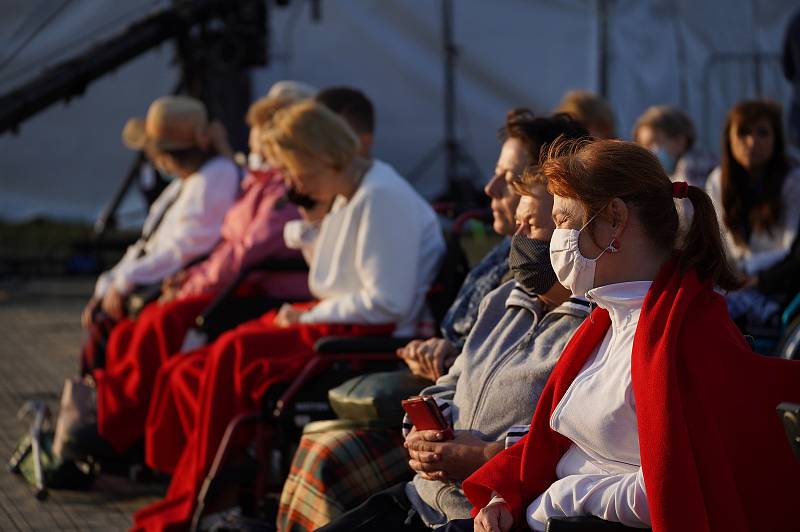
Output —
<point x="702" y="55"/>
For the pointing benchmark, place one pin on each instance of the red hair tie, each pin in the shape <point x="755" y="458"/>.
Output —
<point x="680" y="189"/>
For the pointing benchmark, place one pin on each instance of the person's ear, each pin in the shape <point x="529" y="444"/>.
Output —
<point x="619" y="215"/>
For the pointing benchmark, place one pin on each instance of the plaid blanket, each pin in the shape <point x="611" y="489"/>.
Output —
<point x="333" y="472"/>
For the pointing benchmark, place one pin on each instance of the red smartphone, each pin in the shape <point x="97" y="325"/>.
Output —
<point x="424" y="413"/>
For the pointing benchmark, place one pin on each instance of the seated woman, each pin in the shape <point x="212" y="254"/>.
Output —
<point x="669" y="133"/>
<point x="373" y="255"/>
<point x="756" y="194"/>
<point x="183" y="223"/>
<point x="643" y="420"/>
<point x="251" y="232"/>
<point x="322" y="484"/>
<point x="522" y="136"/>
<point x="521" y="330"/>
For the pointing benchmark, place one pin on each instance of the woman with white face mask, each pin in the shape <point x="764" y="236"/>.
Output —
<point x="627" y="429"/>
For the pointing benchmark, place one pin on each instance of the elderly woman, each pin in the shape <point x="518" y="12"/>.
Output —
<point x="251" y="232"/>
<point x="669" y="133"/>
<point x="522" y="136"/>
<point x="323" y="484"/>
<point x="182" y="225"/>
<point x="625" y="429"/>
<point x="373" y="254"/>
<point x="756" y="194"/>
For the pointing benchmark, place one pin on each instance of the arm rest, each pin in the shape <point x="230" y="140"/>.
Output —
<point x="226" y="294"/>
<point x="360" y="344"/>
<point x="586" y="524"/>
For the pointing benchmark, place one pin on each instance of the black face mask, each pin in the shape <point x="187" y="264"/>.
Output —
<point x="301" y="200"/>
<point x="529" y="261"/>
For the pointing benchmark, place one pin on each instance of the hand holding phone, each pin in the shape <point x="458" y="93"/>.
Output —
<point x="425" y="414"/>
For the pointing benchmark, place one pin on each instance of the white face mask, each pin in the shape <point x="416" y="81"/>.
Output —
<point x="573" y="270"/>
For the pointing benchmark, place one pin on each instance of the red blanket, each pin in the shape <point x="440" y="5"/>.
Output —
<point x="713" y="451"/>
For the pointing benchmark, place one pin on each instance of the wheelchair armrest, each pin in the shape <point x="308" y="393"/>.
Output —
<point x="225" y="295"/>
<point x="586" y="524"/>
<point x="360" y="344"/>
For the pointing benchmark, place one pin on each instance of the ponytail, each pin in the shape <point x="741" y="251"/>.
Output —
<point x="702" y="247"/>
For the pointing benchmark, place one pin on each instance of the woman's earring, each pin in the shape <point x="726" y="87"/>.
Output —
<point x="613" y="247"/>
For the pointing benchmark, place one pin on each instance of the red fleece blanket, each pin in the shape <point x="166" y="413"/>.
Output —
<point x="713" y="451"/>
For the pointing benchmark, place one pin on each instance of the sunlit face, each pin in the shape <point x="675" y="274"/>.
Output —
<point x="752" y="146"/>
<point x="569" y="214"/>
<point x="513" y="159"/>
<point x="652" y="139"/>
<point x="533" y="214"/>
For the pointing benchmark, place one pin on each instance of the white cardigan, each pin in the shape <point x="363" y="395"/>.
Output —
<point x="763" y="249"/>
<point x="374" y="257"/>
<point x="601" y="473"/>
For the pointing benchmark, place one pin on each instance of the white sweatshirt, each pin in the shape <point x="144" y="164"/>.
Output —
<point x="764" y="249"/>
<point x="601" y="473"/>
<point x="374" y="257"/>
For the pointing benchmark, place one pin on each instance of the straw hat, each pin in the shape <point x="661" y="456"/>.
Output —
<point x="172" y="123"/>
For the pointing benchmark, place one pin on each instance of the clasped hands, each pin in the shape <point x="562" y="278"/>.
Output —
<point x="434" y="457"/>
<point x="428" y="358"/>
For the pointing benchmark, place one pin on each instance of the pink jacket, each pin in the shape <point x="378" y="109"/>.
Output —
<point x="251" y="232"/>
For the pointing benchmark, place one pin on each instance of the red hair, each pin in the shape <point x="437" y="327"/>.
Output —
<point x="596" y="172"/>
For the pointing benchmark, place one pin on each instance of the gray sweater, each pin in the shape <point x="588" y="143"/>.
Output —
<point x="495" y="383"/>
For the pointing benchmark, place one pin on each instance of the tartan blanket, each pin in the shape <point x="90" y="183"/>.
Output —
<point x="333" y="472"/>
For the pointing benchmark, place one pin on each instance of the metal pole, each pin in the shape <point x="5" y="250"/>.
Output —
<point x="451" y="147"/>
<point x="602" y="48"/>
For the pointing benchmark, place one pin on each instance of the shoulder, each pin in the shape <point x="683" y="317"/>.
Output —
<point x="714" y="178"/>
<point x="384" y="187"/>
<point x="218" y="168"/>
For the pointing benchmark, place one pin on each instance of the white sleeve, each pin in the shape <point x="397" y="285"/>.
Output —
<point x="387" y="261"/>
<point x="620" y="498"/>
<point x="202" y="207"/>
<point x="302" y="235"/>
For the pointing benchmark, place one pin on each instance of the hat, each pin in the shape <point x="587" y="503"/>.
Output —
<point x="291" y="90"/>
<point x="172" y="123"/>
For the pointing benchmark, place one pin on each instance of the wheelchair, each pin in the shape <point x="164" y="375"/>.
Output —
<point x="288" y="408"/>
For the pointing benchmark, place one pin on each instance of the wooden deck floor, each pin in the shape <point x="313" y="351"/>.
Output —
<point x="39" y="340"/>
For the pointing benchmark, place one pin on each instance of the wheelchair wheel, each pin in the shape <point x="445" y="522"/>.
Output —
<point x="789" y="346"/>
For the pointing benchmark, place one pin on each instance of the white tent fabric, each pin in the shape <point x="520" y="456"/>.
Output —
<point x="67" y="161"/>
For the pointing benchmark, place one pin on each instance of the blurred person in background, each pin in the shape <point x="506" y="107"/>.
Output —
<point x="183" y="224"/>
<point x="251" y="233"/>
<point x="756" y="194"/>
<point x="374" y="246"/>
<point x="591" y="110"/>
<point x="669" y="133"/>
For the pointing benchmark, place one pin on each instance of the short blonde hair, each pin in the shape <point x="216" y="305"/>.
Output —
<point x="263" y="110"/>
<point x="588" y="108"/>
<point x="307" y="131"/>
